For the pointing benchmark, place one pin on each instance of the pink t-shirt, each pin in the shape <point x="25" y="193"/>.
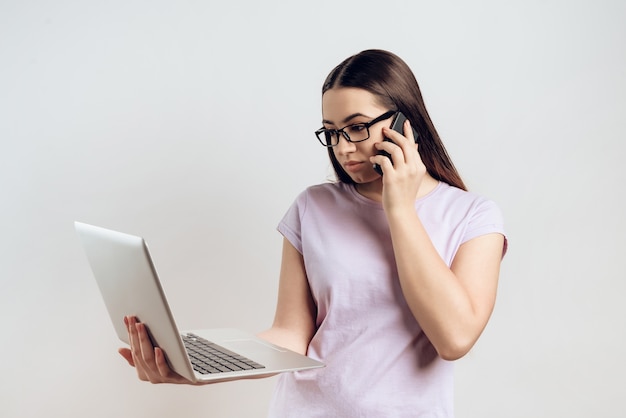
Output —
<point x="379" y="363"/>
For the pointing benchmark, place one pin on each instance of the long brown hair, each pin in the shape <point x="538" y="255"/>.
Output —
<point x="391" y="80"/>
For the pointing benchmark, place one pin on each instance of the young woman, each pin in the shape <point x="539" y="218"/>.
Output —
<point x="384" y="278"/>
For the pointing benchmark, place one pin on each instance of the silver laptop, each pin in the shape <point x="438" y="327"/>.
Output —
<point x="129" y="284"/>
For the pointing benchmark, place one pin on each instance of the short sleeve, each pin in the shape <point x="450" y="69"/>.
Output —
<point x="290" y="225"/>
<point x="486" y="219"/>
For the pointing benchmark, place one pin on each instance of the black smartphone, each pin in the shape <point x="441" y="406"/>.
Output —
<point x="397" y="124"/>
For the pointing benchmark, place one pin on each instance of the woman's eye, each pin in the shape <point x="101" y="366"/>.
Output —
<point x="356" y="128"/>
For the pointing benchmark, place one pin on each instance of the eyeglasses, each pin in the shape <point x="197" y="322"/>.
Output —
<point x="352" y="133"/>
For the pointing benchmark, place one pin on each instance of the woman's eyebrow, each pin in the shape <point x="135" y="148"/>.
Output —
<point x="345" y="120"/>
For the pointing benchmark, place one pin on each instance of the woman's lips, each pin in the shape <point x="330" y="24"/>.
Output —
<point x="353" y="166"/>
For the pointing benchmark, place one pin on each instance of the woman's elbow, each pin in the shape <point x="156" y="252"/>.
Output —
<point x="454" y="349"/>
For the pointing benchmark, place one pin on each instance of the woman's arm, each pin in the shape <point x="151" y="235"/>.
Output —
<point x="293" y="328"/>
<point x="294" y="321"/>
<point x="451" y="304"/>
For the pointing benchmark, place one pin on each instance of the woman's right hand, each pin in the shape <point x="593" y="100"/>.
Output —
<point x="148" y="360"/>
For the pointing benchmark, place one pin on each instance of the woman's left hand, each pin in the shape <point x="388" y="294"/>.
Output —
<point x="402" y="179"/>
<point x="149" y="361"/>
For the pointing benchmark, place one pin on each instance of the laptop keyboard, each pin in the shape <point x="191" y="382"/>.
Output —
<point x="207" y="357"/>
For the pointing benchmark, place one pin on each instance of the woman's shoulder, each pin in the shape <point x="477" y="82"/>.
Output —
<point x="463" y="206"/>
<point x="455" y="197"/>
<point x="313" y="200"/>
<point x="325" y="189"/>
<point x="324" y="195"/>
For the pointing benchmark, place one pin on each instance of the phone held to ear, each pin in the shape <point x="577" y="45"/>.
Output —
<point x="397" y="125"/>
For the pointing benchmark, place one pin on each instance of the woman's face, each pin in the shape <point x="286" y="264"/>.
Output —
<point x="346" y="106"/>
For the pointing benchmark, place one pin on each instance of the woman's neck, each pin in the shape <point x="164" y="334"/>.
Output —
<point x="374" y="189"/>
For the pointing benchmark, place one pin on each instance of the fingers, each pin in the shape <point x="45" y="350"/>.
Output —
<point x="143" y="352"/>
<point x="400" y="137"/>
<point x="135" y="348"/>
<point x="401" y="148"/>
<point x="162" y="367"/>
<point x="409" y="132"/>
<point x="145" y="344"/>
<point x="128" y="355"/>
<point x="149" y="361"/>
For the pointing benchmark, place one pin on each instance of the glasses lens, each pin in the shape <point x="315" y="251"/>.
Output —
<point x="331" y="138"/>
<point x="358" y="132"/>
<point x="328" y="138"/>
<point x="353" y="133"/>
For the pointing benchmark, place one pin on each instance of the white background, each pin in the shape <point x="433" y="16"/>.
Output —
<point x="190" y="123"/>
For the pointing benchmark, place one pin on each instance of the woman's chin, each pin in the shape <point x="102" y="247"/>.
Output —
<point x="364" y="179"/>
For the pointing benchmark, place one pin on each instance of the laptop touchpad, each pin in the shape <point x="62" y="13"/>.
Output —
<point x="250" y="346"/>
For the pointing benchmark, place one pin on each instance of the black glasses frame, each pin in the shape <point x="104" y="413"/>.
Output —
<point x="322" y="134"/>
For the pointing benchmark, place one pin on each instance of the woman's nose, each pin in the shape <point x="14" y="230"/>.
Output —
<point x="344" y="146"/>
